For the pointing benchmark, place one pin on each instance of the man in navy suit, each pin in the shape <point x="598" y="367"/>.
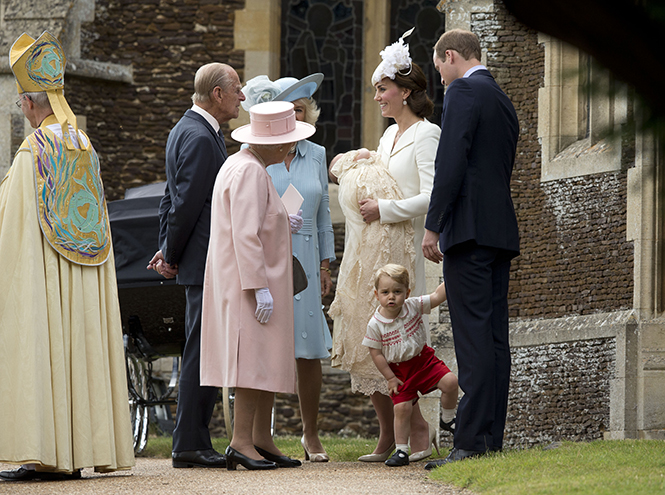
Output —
<point x="195" y="151"/>
<point x="471" y="215"/>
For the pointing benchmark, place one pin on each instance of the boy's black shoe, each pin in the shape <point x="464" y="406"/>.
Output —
<point x="399" y="458"/>
<point x="450" y="426"/>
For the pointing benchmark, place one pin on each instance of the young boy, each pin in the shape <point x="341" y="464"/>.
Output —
<point x="397" y="341"/>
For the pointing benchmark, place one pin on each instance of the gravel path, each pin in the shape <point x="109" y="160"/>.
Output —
<point x="156" y="476"/>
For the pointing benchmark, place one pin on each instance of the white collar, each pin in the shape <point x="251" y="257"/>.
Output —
<point x="402" y="314"/>
<point x="209" y="118"/>
<point x="474" y="69"/>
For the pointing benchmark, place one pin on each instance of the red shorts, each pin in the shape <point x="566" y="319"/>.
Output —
<point x="421" y="373"/>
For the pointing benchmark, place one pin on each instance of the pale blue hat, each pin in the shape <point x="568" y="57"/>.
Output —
<point x="261" y="89"/>
<point x="294" y="89"/>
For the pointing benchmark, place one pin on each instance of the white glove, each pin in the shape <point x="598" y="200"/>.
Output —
<point x="263" y="304"/>
<point x="296" y="222"/>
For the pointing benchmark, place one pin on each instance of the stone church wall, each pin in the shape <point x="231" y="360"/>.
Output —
<point x="575" y="259"/>
<point x="165" y="42"/>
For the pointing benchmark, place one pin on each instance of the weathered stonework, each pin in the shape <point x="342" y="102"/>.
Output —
<point x="560" y="392"/>
<point x="165" y="43"/>
<point x="585" y="293"/>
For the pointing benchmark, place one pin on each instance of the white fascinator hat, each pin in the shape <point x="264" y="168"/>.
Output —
<point x="395" y="58"/>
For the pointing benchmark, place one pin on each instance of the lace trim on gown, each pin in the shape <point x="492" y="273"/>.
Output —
<point x="367" y="248"/>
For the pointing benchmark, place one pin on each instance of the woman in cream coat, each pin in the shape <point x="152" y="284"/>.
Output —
<point x="247" y="318"/>
<point x="408" y="148"/>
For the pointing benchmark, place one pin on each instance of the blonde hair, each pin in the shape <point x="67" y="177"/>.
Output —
<point x="463" y="42"/>
<point x="397" y="272"/>
<point x="312" y="110"/>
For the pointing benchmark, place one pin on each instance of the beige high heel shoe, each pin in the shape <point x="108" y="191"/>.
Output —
<point x="424" y="454"/>
<point x="313" y="456"/>
<point x="377" y="457"/>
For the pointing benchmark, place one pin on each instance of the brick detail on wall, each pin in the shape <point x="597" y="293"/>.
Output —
<point x="165" y="42"/>
<point x="574" y="255"/>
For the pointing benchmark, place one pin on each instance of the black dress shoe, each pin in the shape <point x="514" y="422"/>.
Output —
<point x="450" y="426"/>
<point x="454" y="456"/>
<point x="209" y="458"/>
<point x="281" y="460"/>
<point x="399" y="458"/>
<point x="22" y="474"/>
<point x="233" y="458"/>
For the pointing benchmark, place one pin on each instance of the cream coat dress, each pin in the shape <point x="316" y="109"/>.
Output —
<point x="63" y="386"/>
<point x="250" y="248"/>
<point x="411" y="163"/>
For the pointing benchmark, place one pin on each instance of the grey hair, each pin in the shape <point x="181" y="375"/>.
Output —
<point x="312" y="110"/>
<point x="39" y="98"/>
<point x="207" y="78"/>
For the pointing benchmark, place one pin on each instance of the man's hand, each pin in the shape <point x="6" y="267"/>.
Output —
<point x="158" y="264"/>
<point x="431" y="248"/>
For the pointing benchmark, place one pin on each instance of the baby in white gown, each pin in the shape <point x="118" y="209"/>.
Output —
<point x="367" y="247"/>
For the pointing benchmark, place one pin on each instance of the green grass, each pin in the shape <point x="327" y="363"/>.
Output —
<point x="603" y="467"/>
<point x="632" y="467"/>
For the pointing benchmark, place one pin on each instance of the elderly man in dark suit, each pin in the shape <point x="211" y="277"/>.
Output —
<point x="471" y="215"/>
<point x="195" y="151"/>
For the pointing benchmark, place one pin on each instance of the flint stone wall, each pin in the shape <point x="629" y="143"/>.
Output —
<point x="165" y="42"/>
<point x="575" y="260"/>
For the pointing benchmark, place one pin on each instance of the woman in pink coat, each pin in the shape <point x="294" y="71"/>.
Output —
<point x="247" y="321"/>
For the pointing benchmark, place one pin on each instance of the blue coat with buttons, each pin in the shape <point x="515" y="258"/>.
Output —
<point x="313" y="243"/>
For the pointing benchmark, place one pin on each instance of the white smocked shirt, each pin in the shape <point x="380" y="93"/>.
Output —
<point x="401" y="338"/>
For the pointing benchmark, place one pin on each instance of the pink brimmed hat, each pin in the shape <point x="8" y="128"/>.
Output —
<point x="273" y="122"/>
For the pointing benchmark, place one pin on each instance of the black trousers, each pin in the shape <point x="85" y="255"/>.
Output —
<point x="195" y="403"/>
<point x="476" y="280"/>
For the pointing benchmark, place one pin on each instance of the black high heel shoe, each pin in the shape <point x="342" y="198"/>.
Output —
<point x="233" y="458"/>
<point x="281" y="460"/>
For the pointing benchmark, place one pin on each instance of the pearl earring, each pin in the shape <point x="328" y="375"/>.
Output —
<point x="403" y="102"/>
<point x="281" y="148"/>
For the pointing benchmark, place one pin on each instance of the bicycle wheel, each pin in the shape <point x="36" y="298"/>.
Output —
<point x="137" y="384"/>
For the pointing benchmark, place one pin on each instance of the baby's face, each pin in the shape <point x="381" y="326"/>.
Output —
<point x="363" y="154"/>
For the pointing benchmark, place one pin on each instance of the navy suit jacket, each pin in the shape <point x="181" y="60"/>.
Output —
<point x="194" y="155"/>
<point x="471" y="197"/>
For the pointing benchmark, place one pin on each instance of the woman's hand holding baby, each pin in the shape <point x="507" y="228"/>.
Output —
<point x="369" y="209"/>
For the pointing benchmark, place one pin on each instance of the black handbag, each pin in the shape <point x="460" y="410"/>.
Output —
<point x="299" y="277"/>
